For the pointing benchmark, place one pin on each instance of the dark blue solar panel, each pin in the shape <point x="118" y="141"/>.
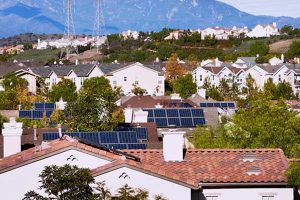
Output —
<point x="37" y="114"/>
<point x="93" y="137"/>
<point x="217" y="105"/>
<point x="203" y="105"/>
<point x="141" y="133"/>
<point x="109" y="137"/>
<point x="224" y="105"/>
<point x="127" y="137"/>
<point x="231" y="105"/>
<point x="25" y="113"/>
<point x="174" y="121"/>
<point x="49" y="106"/>
<point x="161" y="122"/>
<point x="199" y="121"/>
<point x="73" y="134"/>
<point x="187" y="122"/>
<point x="185" y="113"/>
<point x="160" y="113"/>
<point x="49" y="113"/>
<point x="117" y="146"/>
<point x="39" y="106"/>
<point x="172" y="113"/>
<point x="186" y="105"/>
<point x="150" y="113"/>
<point x="137" y="146"/>
<point x="151" y="120"/>
<point x="50" y="136"/>
<point x="197" y="113"/>
<point x="210" y="105"/>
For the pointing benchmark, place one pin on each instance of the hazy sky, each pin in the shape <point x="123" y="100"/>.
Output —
<point x="268" y="7"/>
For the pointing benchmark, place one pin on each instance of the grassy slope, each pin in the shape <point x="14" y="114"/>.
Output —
<point x="37" y="55"/>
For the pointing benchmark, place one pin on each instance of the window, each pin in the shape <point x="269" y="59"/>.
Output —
<point x="279" y="77"/>
<point x="210" y="197"/>
<point x="159" y="82"/>
<point x="200" y="78"/>
<point x="136" y="82"/>
<point x="81" y="81"/>
<point x="268" y="197"/>
<point x="125" y="78"/>
<point x="115" y="82"/>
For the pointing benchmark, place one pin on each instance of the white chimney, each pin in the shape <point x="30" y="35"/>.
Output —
<point x="12" y="133"/>
<point x="35" y="132"/>
<point x="128" y="115"/>
<point x="282" y="58"/>
<point x="59" y="130"/>
<point x="140" y="116"/>
<point x="274" y="24"/>
<point x="158" y="105"/>
<point x="76" y="62"/>
<point x="173" y="144"/>
<point x="61" y="104"/>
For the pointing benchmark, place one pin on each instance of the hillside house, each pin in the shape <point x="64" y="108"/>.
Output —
<point x="263" y="30"/>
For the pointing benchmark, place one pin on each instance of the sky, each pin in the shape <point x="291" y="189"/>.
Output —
<point x="267" y="7"/>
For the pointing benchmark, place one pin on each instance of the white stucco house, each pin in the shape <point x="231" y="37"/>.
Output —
<point x="174" y="172"/>
<point x="149" y="77"/>
<point x="130" y="34"/>
<point x="263" y="30"/>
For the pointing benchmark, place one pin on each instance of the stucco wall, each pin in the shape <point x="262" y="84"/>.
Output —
<point x="15" y="183"/>
<point x="153" y="185"/>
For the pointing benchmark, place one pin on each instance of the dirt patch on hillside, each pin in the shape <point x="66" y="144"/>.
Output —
<point x="281" y="46"/>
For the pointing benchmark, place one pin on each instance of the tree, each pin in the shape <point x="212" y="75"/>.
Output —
<point x="285" y="91"/>
<point x="101" y="99"/>
<point x="2" y="120"/>
<point x="185" y="86"/>
<point x="294" y="49"/>
<point x="173" y="69"/>
<point x="293" y="174"/>
<point x="66" y="182"/>
<point x="262" y="124"/>
<point x="138" y="91"/>
<point x="270" y="88"/>
<point x="65" y="89"/>
<point x="57" y="117"/>
<point x="260" y="48"/>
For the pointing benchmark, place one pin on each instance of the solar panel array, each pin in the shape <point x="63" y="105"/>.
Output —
<point x="122" y="139"/>
<point x="230" y="105"/>
<point x="176" y="105"/>
<point x="38" y="111"/>
<point x="181" y="117"/>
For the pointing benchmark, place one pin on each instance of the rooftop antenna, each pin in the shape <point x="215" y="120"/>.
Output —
<point x="69" y="33"/>
<point x="99" y="26"/>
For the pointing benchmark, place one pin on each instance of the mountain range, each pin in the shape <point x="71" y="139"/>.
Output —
<point x="48" y="16"/>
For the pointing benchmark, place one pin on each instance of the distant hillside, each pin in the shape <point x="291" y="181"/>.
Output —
<point x="47" y="16"/>
<point x="26" y="38"/>
<point x="281" y="46"/>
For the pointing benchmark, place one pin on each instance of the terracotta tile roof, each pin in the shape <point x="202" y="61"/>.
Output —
<point x="220" y="165"/>
<point x="199" y="166"/>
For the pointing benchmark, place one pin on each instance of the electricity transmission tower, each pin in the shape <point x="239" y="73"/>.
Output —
<point x="99" y="26"/>
<point x="69" y="34"/>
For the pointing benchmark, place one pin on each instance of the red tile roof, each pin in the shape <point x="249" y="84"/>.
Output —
<point x="199" y="166"/>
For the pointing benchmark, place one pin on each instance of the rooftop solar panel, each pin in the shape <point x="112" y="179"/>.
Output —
<point x="127" y="137"/>
<point x="161" y="122"/>
<point x="187" y="122"/>
<point x="185" y="113"/>
<point x="109" y="137"/>
<point x="174" y="121"/>
<point x="172" y="113"/>
<point x="160" y="113"/>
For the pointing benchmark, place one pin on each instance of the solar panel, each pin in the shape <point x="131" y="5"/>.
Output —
<point x="231" y="105"/>
<point x="142" y="133"/>
<point x="172" y="113"/>
<point x="109" y="137"/>
<point x="93" y="136"/>
<point x="50" y="136"/>
<point x="117" y="146"/>
<point x="199" y="121"/>
<point x="197" y="113"/>
<point x="37" y="114"/>
<point x="160" y="113"/>
<point x="25" y="114"/>
<point x="127" y="137"/>
<point x="203" y="105"/>
<point x="49" y="106"/>
<point x="161" y="122"/>
<point x="186" y="105"/>
<point x="224" y="105"/>
<point x="174" y="121"/>
<point x="185" y="113"/>
<point x="39" y="106"/>
<point x="151" y="120"/>
<point x="137" y="146"/>
<point x="150" y="113"/>
<point x="210" y="105"/>
<point x="187" y="122"/>
<point x="217" y="105"/>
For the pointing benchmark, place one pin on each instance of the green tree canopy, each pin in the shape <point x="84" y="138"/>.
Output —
<point x="294" y="50"/>
<point x="65" y="89"/>
<point x="185" y="86"/>
<point x="260" y="48"/>
<point x="95" y="105"/>
<point x="293" y="174"/>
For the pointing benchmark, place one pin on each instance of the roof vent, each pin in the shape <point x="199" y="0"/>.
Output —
<point x="249" y="157"/>
<point x="253" y="170"/>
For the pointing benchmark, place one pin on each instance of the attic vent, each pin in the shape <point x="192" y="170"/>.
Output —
<point x="249" y="157"/>
<point x="253" y="170"/>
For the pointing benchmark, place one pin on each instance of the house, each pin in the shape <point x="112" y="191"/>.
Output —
<point x="120" y="75"/>
<point x="130" y="34"/>
<point x="175" y="35"/>
<point x="276" y="61"/>
<point x="174" y="172"/>
<point x="263" y="30"/>
<point x="244" y="62"/>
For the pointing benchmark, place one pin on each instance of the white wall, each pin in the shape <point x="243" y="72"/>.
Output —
<point x="15" y="183"/>
<point x="153" y="185"/>
<point x="250" y="194"/>
<point x="147" y="79"/>
<point x="31" y="82"/>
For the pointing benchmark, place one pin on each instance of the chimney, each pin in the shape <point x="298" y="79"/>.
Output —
<point x="175" y="96"/>
<point x="59" y="130"/>
<point x="173" y="144"/>
<point x="140" y="116"/>
<point x="35" y="132"/>
<point x="128" y="115"/>
<point x="61" y="104"/>
<point x="282" y="58"/>
<point x="12" y="133"/>
<point x="76" y="62"/>
<point x="158" y="105"/>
